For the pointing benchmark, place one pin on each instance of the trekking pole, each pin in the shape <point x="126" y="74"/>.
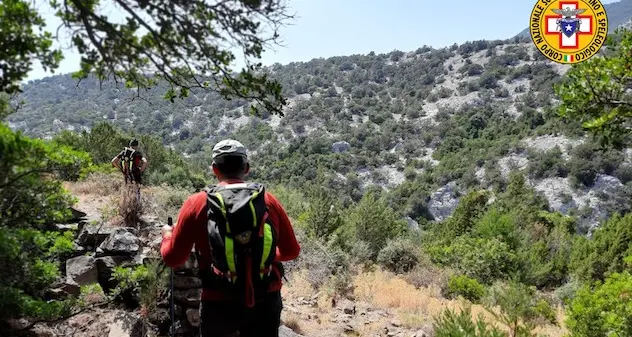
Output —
<point x="173" y="307"/>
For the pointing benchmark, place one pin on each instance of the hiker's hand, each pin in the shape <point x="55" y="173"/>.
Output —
<point x="166" y="231"/>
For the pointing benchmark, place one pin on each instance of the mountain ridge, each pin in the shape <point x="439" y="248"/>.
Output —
<point x="424" y="125"/>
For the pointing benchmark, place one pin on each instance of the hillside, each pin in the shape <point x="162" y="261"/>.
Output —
<point x="425" y="125"/>
<point x="619" y="14"/>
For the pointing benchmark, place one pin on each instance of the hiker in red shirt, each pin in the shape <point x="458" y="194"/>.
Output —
<point x="241" y="234"/>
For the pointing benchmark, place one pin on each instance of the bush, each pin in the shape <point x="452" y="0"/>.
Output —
<point x="399" y="256"/>
<point x="481" y="259"/>
<point x="372" y="221"/>
<point x="605" y="253"/>
<point x="451" y="324"/>
<point x="521" y="309"/>
<point x="31" y="202"/>
<point x="142" y="286"/>
<point x="604" y="310"/>
<point x="466" y="287"/>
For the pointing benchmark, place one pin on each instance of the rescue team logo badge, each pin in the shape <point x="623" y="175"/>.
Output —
<point x="568" y="31"/>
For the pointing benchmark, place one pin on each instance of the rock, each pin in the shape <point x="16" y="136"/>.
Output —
<point x="91" y="234"/>
<point x="349" y="328"/>
<point x="105" y="265"/>
<point x="67" y="227"/>
<point x="189" y="297"/>
<point x="41" y="330"/>
<point x="56" y="294"/>
<point x="77" y="214"/>
<point x="443" y="202"/>
<point x="81" y="270"/>
<point x="340" y="146"/>
<point x="126" y="325"/>
<point x="284" y="331"/>
<point x="121" y="241"/>
<point x="193" y="316"/>
<point x="425" y="331"/>
<point x="396" y="323"/>
<point x="71" y="288"/>
<point x="186" y="282"/>
<point x="150" y="221"/>
<point x="142" y="256"/>
<point x="183" y="327"/>
<point x="349" y="308"/>
<point x="412" y="224"/>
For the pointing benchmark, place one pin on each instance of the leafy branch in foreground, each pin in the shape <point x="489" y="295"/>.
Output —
<point x="598" y="92"/>
<point x="186" y="43"/>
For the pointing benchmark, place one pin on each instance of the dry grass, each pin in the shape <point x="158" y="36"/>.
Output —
<point x="293" y="322"/>
<point x="99" y="184"/>
<point x="130" y="207"/>
<point x="417" y="306"/>
<point x="164" y="201"/>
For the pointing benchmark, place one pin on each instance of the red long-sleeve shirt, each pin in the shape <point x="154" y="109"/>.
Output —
<point x="190" y="230"/>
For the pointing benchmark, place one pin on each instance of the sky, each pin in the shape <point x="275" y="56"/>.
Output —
<point x="325" y="28"/>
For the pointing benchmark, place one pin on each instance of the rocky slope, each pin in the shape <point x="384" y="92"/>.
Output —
<point x="443" y="121"/>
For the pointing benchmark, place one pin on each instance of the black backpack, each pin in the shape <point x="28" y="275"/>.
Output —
<point x="127" y="160"/>
<point x="239" y="230"/>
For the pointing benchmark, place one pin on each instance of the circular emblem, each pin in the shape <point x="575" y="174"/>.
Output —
<point x="568" y="31"/>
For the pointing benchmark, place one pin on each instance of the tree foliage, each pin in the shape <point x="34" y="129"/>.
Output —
<point x="598" y="92"/>
<point x="186" y="43"/>
<point x="604" y="310"/>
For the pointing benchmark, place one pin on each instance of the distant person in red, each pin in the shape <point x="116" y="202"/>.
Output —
<point x="131" y="162"/>
<point x="241" y="234"/>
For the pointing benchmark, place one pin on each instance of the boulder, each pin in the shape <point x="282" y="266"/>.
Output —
<point x="67" y="227"/>
<point x="105" y="265"/>
<point x="92" y="234"/>
<point x="284" y="331"/>
<point x="340" y="146"/>
<point x="186" y="282"/>
<point x="77" y="214"/>
<point x="150" y="221"/>
<point x="81" y="270"/>
<point x="144" y="255"/>
<point x="443" y="202"/>
<point x="126" y="324"/>
<point x="183" y="327"/>
<point x="188" y="298"/>
<point x="193" y="316"/>
<point x="121" y="241"/>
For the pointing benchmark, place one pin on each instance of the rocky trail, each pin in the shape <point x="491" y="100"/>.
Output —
<point x="102" y="244"/>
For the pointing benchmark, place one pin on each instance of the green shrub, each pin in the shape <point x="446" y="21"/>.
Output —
<point x="451" y="324"/>
<point x="467" y="287"/>
<point x="142" y="285"/>
<point x="605" y="252"/>
<point x="482" y="259"/>
<point x="521" y="308"/>
<point x="32" y="200"/>
<point x="372" y="221"/>
<point x="604" y="310"/>
<point x="399" y="256"/>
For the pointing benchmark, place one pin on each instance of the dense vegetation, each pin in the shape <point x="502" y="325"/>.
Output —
<point x="394" y="110"/>
<point x="513" y="251"/>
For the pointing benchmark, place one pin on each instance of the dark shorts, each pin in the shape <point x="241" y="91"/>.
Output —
<point x="223" y="319"/>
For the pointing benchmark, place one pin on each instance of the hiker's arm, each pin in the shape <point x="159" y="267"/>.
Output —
<point x="288" y="247"/>
<point x="176" y="245"/>
<point x="116" y="162"/>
